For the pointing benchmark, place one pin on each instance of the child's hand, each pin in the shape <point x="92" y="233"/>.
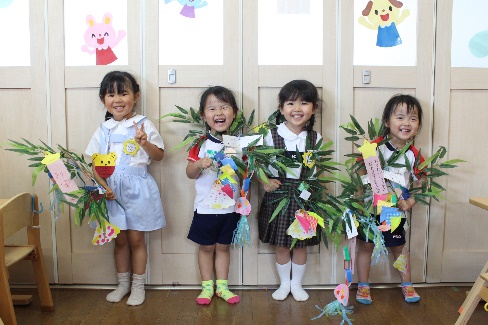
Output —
<point x="109" y="194"/>
<point x="405" y="205"/>
<point x="141" y="136"/>
<point x="205" y="163"/>
<point x="273" y="185"/>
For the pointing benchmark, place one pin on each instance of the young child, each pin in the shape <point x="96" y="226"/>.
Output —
<point x="298" y="102"/>
<point x="402" y="117"/>
<point x="212" y="228"/>
<point x="135" y="141"/>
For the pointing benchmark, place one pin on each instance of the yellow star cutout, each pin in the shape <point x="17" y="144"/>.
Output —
<point x="368" y="149"/>
<point x="50" y="158"/>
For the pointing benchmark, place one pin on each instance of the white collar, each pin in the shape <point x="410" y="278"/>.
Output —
<point x="125" y="122"/>
<point x="287" y="134"/>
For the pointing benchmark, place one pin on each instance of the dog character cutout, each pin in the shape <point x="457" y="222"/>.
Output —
<point x="384" y="16"/>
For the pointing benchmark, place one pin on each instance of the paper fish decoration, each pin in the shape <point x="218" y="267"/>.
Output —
<point x="243" y="207"/>
<point x="102" y="236"/>
<point x="341" y="292"/>
<point x="104" y="164"/>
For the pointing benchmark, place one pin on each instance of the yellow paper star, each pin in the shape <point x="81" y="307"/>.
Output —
<point x="50" y="158"/>
<point x="368" y="149"/>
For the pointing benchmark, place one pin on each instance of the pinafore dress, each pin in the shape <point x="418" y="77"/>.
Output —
<point x="133" y="187"/>
<point x="274" y="232"/>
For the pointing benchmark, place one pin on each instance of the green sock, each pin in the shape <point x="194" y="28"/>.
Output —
<point x="207" y="290"/>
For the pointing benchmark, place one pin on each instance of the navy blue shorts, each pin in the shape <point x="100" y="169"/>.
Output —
<point x="392" y="239"/>
<point x="209" y="229"/>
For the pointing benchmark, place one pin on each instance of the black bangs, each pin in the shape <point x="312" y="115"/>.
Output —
<point x="117" y="82"/>
<point x="298" y="89"/>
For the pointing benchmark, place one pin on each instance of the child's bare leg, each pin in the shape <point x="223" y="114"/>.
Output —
<point x="363" y="260"/>
<point x="397" y="251"/>
<point x="363" y="264"/>
<point x="408" y="290"/>
<point x="139" y="260"/>
<point x="206" y="263"/>
<point x="283" y="265"/>
<point x="138" y="250"/>
<point x="222" y="262"/>
<point x="122" y="252"/>
<point x="122" y="265"/>
<point x="298" y="267"/>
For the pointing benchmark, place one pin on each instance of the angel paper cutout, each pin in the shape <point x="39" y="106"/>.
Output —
<point x="189" y="7"/>
<point x="384" y="16"/>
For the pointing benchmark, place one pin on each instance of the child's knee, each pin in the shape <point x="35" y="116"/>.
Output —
<point x="222" y="248"/>
<point x="208" y="249"/>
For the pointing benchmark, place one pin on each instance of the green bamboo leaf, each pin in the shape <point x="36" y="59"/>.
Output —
<point x="428" y="161"/>
<point x="251" y="119"/>
<point x="181" y="109"/>
<point x="262" y="176"/>
<point x="453" y="161"/>
<point x="293" y="243"/>
<point x="184" y="143"/>
<point x="280" y="206"/>
<point x="357" y="125"/>
<point x="350" y="131"/>
<point x="35" y="172"/>
<point x="177" y="115"/>
<point x="447" y="166"/>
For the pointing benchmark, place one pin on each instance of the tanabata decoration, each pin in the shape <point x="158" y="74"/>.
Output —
<point x="244" y="156"/>
<point x="316" y="205"/>
<point x="373" y="184"/>
<point x="341" y="292"/>
<point x="73" y="184"/>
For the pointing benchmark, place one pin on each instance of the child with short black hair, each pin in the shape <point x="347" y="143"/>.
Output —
<point x="402" y="117"/>
<point x="212" y="227"/>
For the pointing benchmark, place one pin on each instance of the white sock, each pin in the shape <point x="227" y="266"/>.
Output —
<point x="297" y="291"/>
<point x="284" y="289"/>
<point x="122" y="289"/>
<point x="137" y="294"/>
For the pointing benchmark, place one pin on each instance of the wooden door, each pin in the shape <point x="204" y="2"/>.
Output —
<point x="77" y="112"/>
<point x="25" y="114"/>
<point x="173" y="256"/>
<point x="265" y="72"/>
<point x="366" y="101"/>
<point x="457" y="236"/>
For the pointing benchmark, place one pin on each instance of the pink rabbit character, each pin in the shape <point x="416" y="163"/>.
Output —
<point x="102" y="38"/>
